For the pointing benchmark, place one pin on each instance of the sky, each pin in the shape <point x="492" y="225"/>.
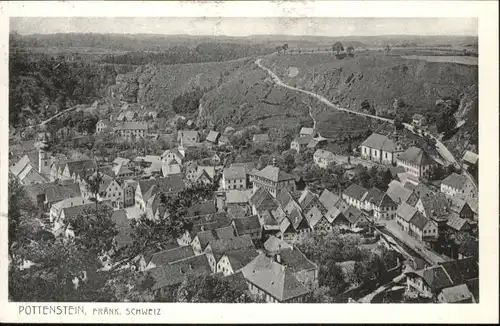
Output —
<point x="247" y="26"/>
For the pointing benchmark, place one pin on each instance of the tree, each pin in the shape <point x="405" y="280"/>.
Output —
<point x="211" y="288"/>
<point x="337" y="47"/>
<point x="350" y="50"/>
<point x="93" y="183"/>
<point x="387" y="49"/>
<point x="285" y="47"/>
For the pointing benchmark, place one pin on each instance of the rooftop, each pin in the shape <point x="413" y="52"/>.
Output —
<point x="416" y="156"/>
<point x="274" y="278"/>
<point x="455" y="181"/>
<point x="381" y="142"/>
<point x="235" y="172"/>
<point x="274" y="174"/>
<point x="355" y="191"/>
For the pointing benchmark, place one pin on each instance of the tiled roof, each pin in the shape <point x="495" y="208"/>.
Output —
<point x="236" y="212"/>
<point x="417" y="116"/>
<point x="206" y="237"/>
<point x="236" y="172"/>
<point x="396" y="169"/>
<point x="249" y="166"/>
<point x="406" y="212"/>
<point x="461" y="270"/>
<point x="221" y="246"/>
<point x="307" y="131"/>
<point x="247" y="224"/>
<point x="121" y="170"/>
<point x="274" y="174"/>
<point x="263" y="200"/>
<point x="176" y="272"/>
<point x="296" y="217"/>
<point x="306" y="198"/>
<point x="416" y="156"/>
<point x="374" y="196"/>
<point x="237" y="196"/>
<point x="355" y="191"/>
<point x="212" y="136"/>
<point x="240" y="258"/>
<point x="327" y="155"/>
<point x="170" y="169"/>
<point x="303" y="140"/>
<point x="419" y="220"/>
<point x="274" y="278"/>
<point x="121" y="161"/>
<point x="436" y="205"/>
<point x="398" y="193"/>
<point x="188" y="133"/>
<point x="313" y="216"/>
<point x="19" y="166"/>
<point x="169" y="256"/>
<point x="237" y="281"/>
<point x="353" y="214"/>
<point x="274" y="244"/>
<point x="380" y="142"/>
<point x="68" y="202"/>
<point x="435" y="277"/>
<point x="455" y="181"/>
<point x="132" y="126"/>
<point x="74" y="166"/>
<point x="295" y="260"/>
<point x="470" y="157"/>
<point x="328" y="199"/>
<point x="54" y="192"/>
<point x="469" y="247"/>
<point x="456" y="293"/>
<point x="456" y="222"/>
<point x="75" y="210"/>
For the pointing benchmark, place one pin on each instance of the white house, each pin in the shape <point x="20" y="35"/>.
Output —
<point x="234" y="177"/>
<point x="354" y="195"/>
<point x="381" y="149"/>
<point x="416" y="161"/>
<point x="458" y="185"/>
<point x="323" y="158"/>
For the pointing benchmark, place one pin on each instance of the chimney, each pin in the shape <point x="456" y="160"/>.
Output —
<point x="274" y="160"/>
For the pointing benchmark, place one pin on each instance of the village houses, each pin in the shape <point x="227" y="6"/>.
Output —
<point x="323" y="158"/>
<point x="130" y="130"/>
<point x="234" y="178"/>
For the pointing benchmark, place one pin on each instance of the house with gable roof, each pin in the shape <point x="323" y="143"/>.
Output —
<point x="273" y="282"/>
<point x="188" y="138"/>
<point x="218" y="247"/>
<point x="323" y="158"/>
<point x="168" y="256"/>
<point x="234" y="177"/>
<point x="380" y="149"/>
<point x="273" y="179"/>
<point x="307" y="132"/>
<point x="470" y="160"/>
<point x="431" y="281"/>
<point x="378" y="202"/>
<point x="233" y="261"/>
<point x="354" y="195"/>
<point x="416" y="161"/>
<point x="458" y="185"/>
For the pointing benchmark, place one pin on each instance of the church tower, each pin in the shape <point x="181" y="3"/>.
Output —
<point x="44" y="156"/>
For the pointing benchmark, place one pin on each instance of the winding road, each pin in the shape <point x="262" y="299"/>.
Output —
<point x="443" y="151"/>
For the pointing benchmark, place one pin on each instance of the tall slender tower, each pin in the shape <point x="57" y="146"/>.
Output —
<point x="44" y="156"/>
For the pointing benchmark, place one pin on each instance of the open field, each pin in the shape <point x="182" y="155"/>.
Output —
<point x="464" y="60"/>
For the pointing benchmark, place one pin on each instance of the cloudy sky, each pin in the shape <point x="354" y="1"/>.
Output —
<point x="248" y="26"/>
